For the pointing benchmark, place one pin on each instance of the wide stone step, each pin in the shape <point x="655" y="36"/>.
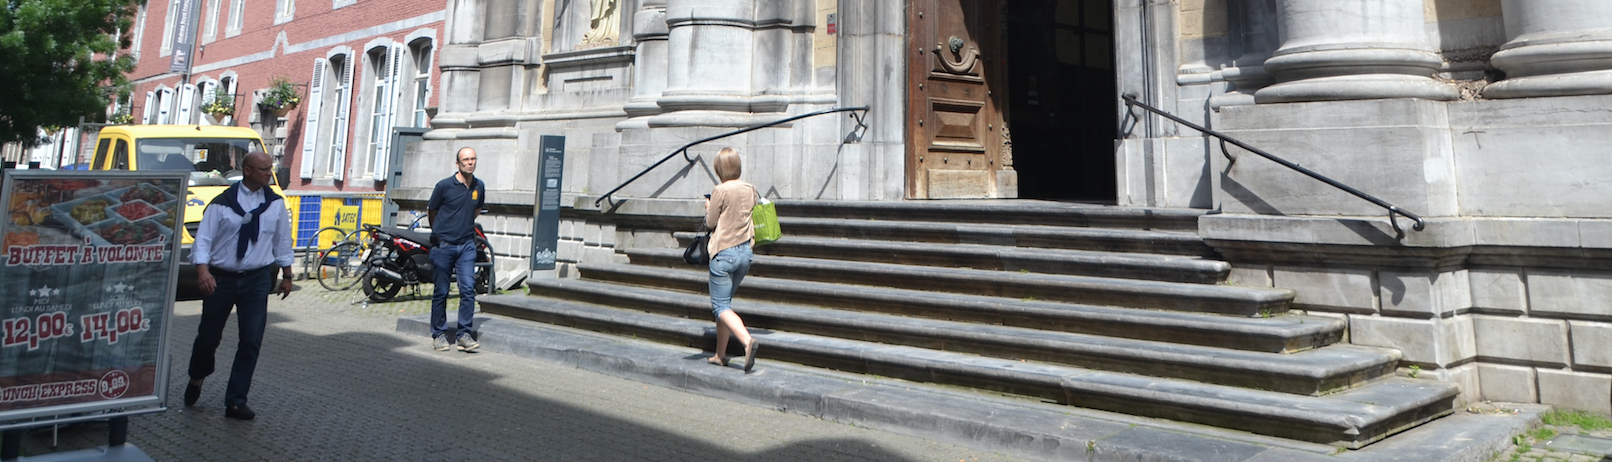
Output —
<point x="1316" y="371"/>
<point x="1352" y="418"/>
<point x="1242" y="301"/>
<point x="995" y="257"/>
<point x="1053" y="237"/>
<point x="1277" y="334"/>
<point x="1005" y="212"/>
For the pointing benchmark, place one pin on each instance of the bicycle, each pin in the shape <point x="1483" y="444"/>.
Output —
<point x="312" y="250"/>
<point x="343" y="265"/>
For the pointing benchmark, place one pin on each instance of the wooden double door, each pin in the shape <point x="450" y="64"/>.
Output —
<point x="956" y="131"/>
<point x="986" y="76"/>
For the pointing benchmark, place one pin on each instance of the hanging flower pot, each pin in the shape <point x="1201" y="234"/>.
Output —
<point x="281" y="97"/>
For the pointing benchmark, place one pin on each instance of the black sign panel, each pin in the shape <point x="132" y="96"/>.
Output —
<point x="546" y="209"/>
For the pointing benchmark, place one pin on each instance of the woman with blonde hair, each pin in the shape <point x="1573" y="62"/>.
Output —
<point x="727" y="212"/>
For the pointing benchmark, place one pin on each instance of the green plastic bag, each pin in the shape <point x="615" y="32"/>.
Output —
<point x="764" y="217"/>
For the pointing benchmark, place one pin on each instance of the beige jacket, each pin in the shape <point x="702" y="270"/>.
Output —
<point x="729" y="215"/>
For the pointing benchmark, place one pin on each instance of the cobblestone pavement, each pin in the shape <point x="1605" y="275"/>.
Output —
<point x="336" y="382"/>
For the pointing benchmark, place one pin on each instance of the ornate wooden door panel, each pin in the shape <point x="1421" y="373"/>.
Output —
<point x="954" y="123"/>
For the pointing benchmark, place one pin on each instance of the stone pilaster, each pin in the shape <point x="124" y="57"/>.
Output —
<point x="1352" y="49"/>
<point x="649" y="63"/>
<point x="1254" y="29"/>
<point x="1556" y="48"/>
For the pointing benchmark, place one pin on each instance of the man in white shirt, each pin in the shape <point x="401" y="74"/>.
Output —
<point x="245" y="234"/>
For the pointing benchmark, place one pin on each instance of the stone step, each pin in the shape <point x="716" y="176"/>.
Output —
<point x="1052" y="237"/>
<point x="1286" y="333"/>
<point x="1002" y="212"/>
<point x="1351" y="418"/>
<point x="1222" y="299"/>
<point x="994" y="257"/>
<point x="1317" y="371"/>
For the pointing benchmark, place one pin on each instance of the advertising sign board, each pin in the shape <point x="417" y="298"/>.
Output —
<point x="546" y="217"/>
<point x="87" y="273"/>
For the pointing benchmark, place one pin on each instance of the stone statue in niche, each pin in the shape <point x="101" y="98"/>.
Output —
<point x="604" y="25"/>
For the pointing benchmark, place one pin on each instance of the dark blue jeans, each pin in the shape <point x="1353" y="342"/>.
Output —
<point x="248" y="294"/>
<point x="461" y="260"/>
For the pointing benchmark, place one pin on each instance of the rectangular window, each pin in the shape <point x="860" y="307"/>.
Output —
<point x="235" y="15"/>
<point x="377" y="113"/>
<point x="283" y="10"/>
<point x="168" y="23"/>
<point x="422" y="83"/>
<point x="338" y="139"/>
<point x="212" y="18"/>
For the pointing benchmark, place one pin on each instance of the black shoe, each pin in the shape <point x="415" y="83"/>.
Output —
<point x="239" y="412"/>
<point x="192" y="393"/>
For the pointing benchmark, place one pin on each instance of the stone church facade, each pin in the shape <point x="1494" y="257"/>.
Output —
<point x="1489" y="119"/>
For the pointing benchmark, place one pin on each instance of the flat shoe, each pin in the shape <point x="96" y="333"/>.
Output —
<point x="750" y="354"/>
<point x="719" y="362"/>
<point x="192" y="393"/>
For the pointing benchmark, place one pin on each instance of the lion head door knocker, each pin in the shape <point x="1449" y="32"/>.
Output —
<point x="964" y="62"/>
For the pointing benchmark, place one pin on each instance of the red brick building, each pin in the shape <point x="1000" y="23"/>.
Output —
<point x="361" y="67"/>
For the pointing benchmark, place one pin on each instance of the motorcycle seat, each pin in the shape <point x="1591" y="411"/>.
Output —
<point x="416" y="236"/>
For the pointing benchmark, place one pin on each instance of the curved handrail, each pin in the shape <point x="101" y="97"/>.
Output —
<point x="1130" y="100"/>
<point x="860" y="124"/>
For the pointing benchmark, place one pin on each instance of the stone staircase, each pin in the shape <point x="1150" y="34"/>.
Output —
<point x="1108" y="308"/>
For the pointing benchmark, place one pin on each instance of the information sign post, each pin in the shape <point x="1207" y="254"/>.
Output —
<point x="546" y="207"/>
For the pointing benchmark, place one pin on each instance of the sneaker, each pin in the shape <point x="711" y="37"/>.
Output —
<point x="240" y="412"/>
<point x="440" y="343"/>
<point x="466" y="343"/>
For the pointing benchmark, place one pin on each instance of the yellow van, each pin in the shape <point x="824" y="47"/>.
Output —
<point x="212" y="154"/>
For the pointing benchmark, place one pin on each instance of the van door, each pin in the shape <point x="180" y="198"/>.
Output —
<point x="120" y="155"/>
<point x="103" y="149"/>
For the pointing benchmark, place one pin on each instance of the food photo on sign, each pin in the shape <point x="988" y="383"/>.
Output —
<point x="85" y="287"/>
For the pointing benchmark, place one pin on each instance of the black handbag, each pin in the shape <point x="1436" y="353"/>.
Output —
<point x="696" y="253"/>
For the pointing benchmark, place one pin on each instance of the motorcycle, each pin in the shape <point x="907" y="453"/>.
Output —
<point x="399" y="258"/>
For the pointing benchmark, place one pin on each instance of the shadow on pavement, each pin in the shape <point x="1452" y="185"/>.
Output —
<point x="374" y="396"/>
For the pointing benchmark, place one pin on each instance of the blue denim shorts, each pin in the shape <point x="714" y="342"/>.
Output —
<point x="728" y="267"/>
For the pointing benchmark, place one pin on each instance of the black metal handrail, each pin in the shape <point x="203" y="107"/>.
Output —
<point x="860" y="124"/>
<point x="1130" y="100"/>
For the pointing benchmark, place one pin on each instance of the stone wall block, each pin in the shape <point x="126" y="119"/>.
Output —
<point x="1329" y="289"/>
<point x="596" y="254"/>
<point x="1592" y="344"/>
<point x="591" y="234"/>
<point x="1570" y="293"/>
<point x="1498" y="290"/>
<point x="607" y="235"/>
<point x="569" y="250"/>
<point x="1249" y="275"/>
<point x="1576" y="390"/>
<point x="1595" y="234"/>
<point x="1512" y="384"/>
<point x="568" y="229"/>
<point x="1436" y="342"/>
<point x="1465" y="375"/>
<point x="1502" y="339"/>
<point x="1423" y="294"/>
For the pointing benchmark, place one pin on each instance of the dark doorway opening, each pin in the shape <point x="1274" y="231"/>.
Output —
<point x="1062" y="106"/>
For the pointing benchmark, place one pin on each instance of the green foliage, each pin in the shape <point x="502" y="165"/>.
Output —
<point x="1588" y="421"/>
<point x="61" y="61"/>
<point x="1523" y="445"/>
<point x="1415" y="370"/>
<point x="281" y="93"/>
<point x="1542" y="433"/>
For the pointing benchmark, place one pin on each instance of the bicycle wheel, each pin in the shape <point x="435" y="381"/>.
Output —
<point x="342" y="266"/>
<point x="484" y="266"/>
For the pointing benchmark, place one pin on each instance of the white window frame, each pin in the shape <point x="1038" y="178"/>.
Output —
<point x="340" y="124"/>
<point x="151" y="101"/>
<point x="419" y="97"/>
<point x="236" y="18"/>
<point x="284" y="10"/>
<point x="184" y="104"/>
<point x="211" y="32"/>
<point x="168" y="24"/>
<point x="381" y="104"/>
<point x="164" y="105"/>
<point x="335" y="4"/>
<point x="139" y="32"/>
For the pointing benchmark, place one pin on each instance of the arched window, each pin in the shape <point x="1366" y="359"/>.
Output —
<point x="383" y="73"/>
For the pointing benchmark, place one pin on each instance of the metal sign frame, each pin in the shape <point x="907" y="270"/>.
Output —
<point x="122" y="406"/>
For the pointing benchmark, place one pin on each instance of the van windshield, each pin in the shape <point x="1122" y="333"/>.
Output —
<point x="210" y="161"/>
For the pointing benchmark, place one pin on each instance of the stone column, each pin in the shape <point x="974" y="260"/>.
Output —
<point x="461" y="78"/>
<point x="712" y="44"/>
<point x="649" y="63"/>
<point x="1556" y="48"/>
<point x="1352" y="49"/>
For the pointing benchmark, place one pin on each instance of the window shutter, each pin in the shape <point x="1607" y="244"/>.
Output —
<point x="310" y="122"/>
<point x="185" y="104"/>
<point x="145" y="117"/>
<point x="165" y="98"/>
<point x="339" y="148"/>
<point x="394" y="77"/>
